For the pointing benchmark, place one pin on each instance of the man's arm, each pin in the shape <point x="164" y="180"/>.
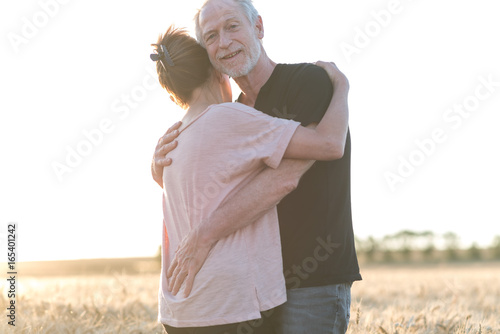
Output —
<point x="326" y="141"/>
<point x="246" y="206"/>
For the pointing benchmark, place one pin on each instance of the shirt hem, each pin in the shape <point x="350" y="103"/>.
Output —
<point x="221" y="320"/>
<point x="210" y="322"/>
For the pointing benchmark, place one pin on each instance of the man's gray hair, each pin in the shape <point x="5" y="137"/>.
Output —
<point x="246" y="6"/>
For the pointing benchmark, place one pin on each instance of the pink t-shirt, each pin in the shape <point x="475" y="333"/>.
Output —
<point x="217" y="155"/>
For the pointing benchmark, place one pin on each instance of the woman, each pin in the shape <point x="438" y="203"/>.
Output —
<point x="223" y="145"/>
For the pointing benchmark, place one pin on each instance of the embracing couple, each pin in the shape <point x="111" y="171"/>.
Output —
<point x="257" y="230"/>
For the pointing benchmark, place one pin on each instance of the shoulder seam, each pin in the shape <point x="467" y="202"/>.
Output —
<point x="230" y="106"/>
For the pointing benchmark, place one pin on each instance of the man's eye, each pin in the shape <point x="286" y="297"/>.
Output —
<point x="233" y="26"/>
<point x="210" y="37"/>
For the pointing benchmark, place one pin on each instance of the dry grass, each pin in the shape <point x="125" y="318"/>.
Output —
<point x="113" y="303"/>
<point x="438" y="299"/>
<point x="451" y="299"/>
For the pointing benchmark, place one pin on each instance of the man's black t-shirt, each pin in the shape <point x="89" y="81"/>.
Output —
<point x="315" y="219"/>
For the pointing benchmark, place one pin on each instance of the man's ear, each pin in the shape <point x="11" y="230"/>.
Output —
<point x="259" y="24"/>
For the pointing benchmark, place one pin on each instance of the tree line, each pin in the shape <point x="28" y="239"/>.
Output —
<point x="426" y="246"/>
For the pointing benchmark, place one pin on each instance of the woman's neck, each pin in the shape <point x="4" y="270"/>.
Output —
<point x="203" y="97"/>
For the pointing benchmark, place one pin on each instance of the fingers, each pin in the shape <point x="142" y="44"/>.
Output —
<point x="176" y="279"/>
<point x="173" y="278"/>
<point x="187" y="262"/>
<point x="180" y="277"/>
<point x="324" y="63"/>
<point x="189" y="285"/>
<point x="168" y="137"/>
<point x="167" y="148"/>
<point x="174" y="127"/>
<point x="160" y="155"/>
<point x="333" y="72"/>
<point x="327" y="65"/>
<point x="165" y="145"/>
<point x="176" y="274"/>
<point x="163" y="162"/>
<point x="172" y="267"/>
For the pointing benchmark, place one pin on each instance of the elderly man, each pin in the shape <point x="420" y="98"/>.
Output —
<point x="319" y="257"/>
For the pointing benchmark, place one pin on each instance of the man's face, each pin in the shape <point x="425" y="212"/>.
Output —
<point x="232" y="42"/>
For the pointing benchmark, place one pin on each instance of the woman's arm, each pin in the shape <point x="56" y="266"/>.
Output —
<point x="327" y="140"/>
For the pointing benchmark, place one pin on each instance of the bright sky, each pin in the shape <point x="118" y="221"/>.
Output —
<point x="424" y="104"/>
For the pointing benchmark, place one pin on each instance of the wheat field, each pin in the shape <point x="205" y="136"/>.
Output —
<point x="397" y="299"/>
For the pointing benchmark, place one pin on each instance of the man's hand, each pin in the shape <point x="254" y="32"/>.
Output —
<point x="334" y="73"/>
<point x="165" y="144"/>
<point x="189" y="258"/>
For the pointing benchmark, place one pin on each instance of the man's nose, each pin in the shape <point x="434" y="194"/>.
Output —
<point x="224" y="41"/>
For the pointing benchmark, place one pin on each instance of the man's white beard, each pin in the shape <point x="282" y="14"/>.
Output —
<point x="247" y="67"/>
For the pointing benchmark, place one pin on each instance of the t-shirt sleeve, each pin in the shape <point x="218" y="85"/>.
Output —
<point x="313" y="91"/>
<point x="255" y="135"/>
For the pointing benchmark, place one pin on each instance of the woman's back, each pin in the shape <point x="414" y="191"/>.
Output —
<point x="217" y="154"/>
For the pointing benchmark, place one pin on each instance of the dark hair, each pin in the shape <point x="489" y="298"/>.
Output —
<point x="191" y="66"/>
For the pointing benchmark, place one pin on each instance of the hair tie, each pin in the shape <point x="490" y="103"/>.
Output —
<point x="161" y="56"/>
<point x="166" y="55"/>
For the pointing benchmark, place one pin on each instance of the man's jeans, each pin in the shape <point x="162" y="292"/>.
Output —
<point x="316" y="310"/>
